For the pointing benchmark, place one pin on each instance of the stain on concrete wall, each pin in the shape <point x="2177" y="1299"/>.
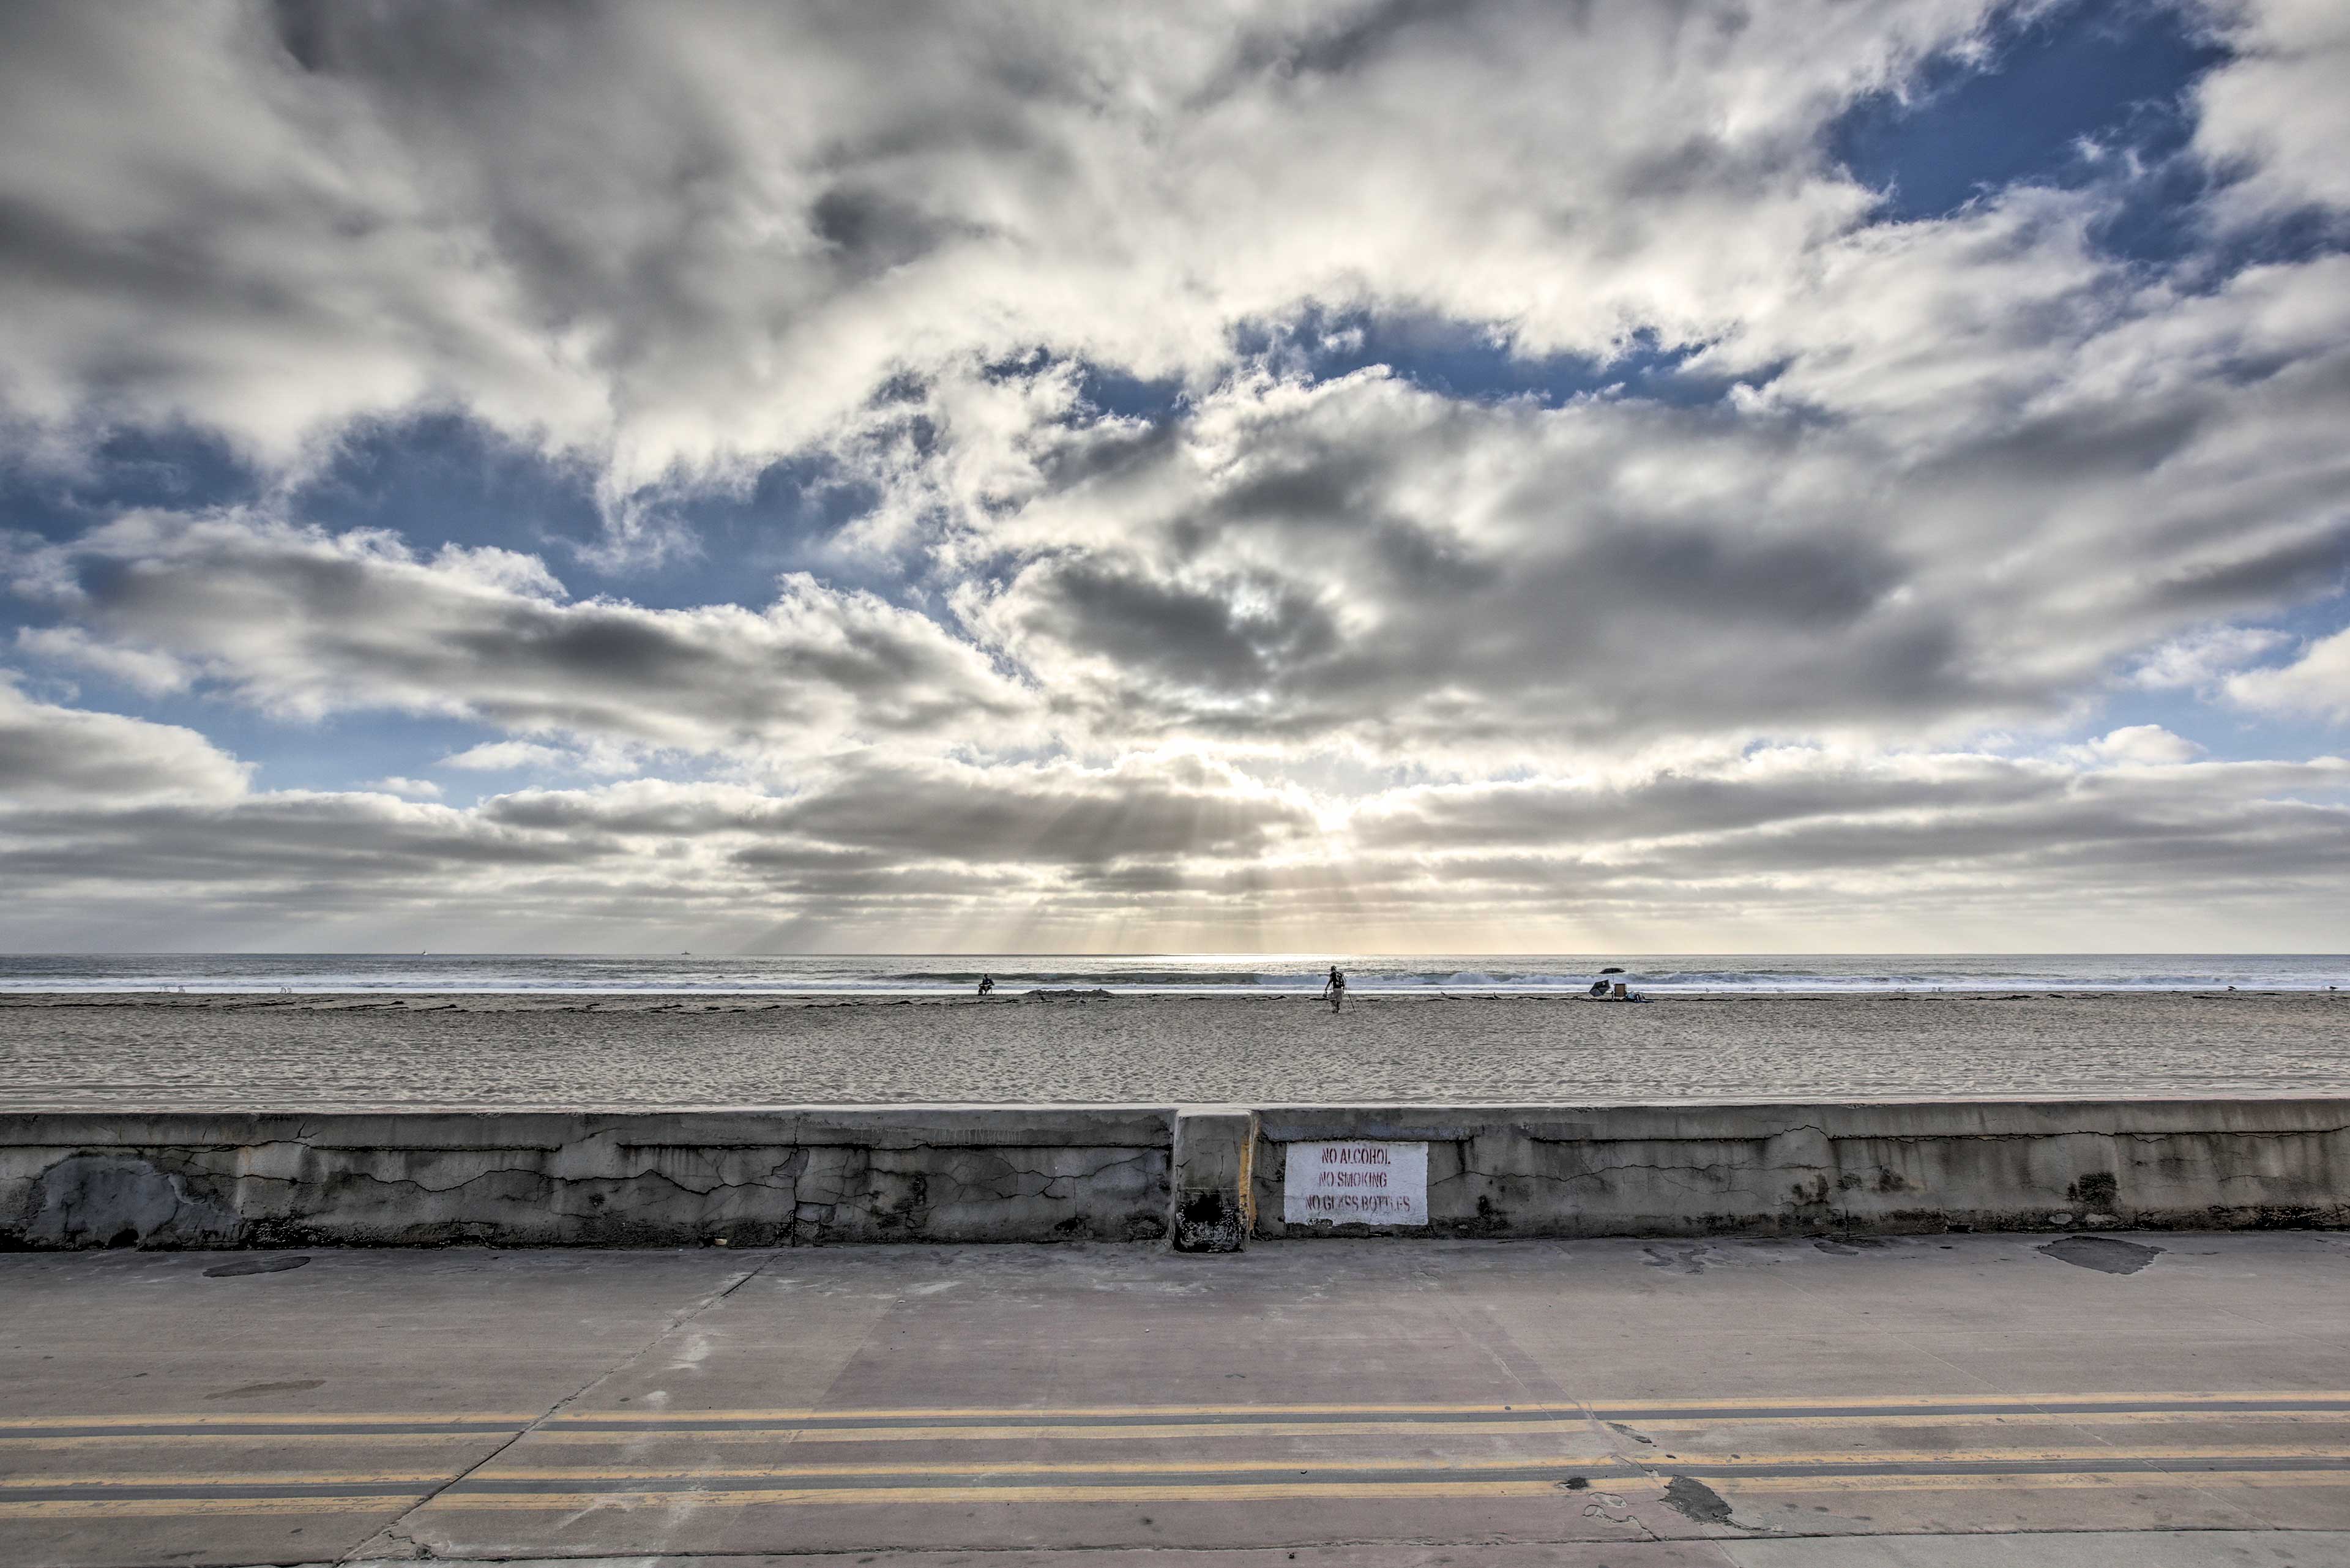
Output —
<point x="797" y="1176"/>
<point x="1848" y="1169"/>
<point x="122" y="1201"/>
<point x="434" y="1178"/>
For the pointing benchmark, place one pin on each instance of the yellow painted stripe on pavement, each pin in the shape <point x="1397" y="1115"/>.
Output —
<point x="197" y="1507"/>
<point x="1225" y="1432"/>
<point x="1741" y="1485"/>
<point x="244" y="1440"/>
<point x="256" y="1419"/>
<point x="1763" y="1409"/>
<point x="1056" y="1412"/>
<point x="1269" y="1491"/>
<point x="1222" y="1433"/>
<point x="1046" y="1467"/>
<point x="1228" y="1492"/>
<point x="1710" y="1464"/>
<point x="215" y="1478"/>
<point x="1861" y="1401"/>
<point x="571" y="1502"/>
<point x="1235" y="1492"/>
<point x="2001" y="1418"/>
<point x="569" y="1474"/>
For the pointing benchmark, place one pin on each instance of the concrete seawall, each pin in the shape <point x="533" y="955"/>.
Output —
<point x="1205" y="1178"/>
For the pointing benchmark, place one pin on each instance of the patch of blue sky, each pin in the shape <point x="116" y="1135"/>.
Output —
<point x="445" y="479"/>
<point x="339" y="751"/>
<point x="2227" y="731"/>
<point x="2058" y="97"/>
<point x="2074" y="97"/>
<point x="1474" y="361"/>
<point x="1103" y="391"/>
<point x="742" y="537"/>
<point x="129" y="469"/>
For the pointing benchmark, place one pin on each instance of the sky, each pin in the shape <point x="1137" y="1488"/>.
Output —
<point x="1248" y="476"/>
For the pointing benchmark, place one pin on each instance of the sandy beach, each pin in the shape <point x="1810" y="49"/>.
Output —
<point x="246" y="1051"/>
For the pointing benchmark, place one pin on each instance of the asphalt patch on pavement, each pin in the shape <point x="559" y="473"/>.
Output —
<point x="2107" y="1254"/>
<point x="252" y="1266"/>
<point x="1696" y="1501"/>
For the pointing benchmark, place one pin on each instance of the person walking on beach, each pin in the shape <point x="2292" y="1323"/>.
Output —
<point x="1335" y="988"/>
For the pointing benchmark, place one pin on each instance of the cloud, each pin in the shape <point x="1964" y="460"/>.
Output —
<point x="407" y="789"/>
<point x="1988" y="469"/>
<point x="2315" y="684"/>
<point x="606" y="758"/>
<point x="308" y="623"/>
<point x="1070" y="308"/>
<point x="2201" y="660"/>
<point x="676" y="244"/>
<point x="2275" y="115"/>
<point x="54" y="754"/>
<point x="1161" y="851"/>
<point x="153" y="673"/>
<point x="2142" y="745"/>
<point x="1058" y="814"/>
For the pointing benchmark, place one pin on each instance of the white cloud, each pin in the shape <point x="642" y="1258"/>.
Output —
<point x="139" y="668"/>
<point x="2277" y="115"/>
<point x="680" y="240"/>
<point x="2142" y="745"/>
<point x="406" y="788"/>
<point x="1979" y="482"/>
<point x="51" y="755"/>
<point x="2199" y="661"/>
<point x="308" y="623"/>
<point x="2316" y="684"/>
<point x="492" y="756"/>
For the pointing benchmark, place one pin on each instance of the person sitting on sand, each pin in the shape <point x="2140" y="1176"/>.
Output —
<point x="986" y="983"/>
<point x="1335" y="989"/>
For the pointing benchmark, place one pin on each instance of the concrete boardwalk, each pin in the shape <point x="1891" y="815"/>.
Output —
<point x="1943" y="1402"/>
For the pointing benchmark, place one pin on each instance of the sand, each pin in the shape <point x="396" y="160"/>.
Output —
<point x="239" y="1053"/>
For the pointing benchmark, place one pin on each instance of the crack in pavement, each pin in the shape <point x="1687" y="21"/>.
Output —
<point x="395" y="1533"/>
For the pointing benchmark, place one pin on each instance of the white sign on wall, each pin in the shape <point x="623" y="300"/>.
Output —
<point x="1356" y="1183"/>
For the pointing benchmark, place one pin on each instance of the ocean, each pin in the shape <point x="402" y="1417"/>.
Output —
<point x="1174" y="974"/>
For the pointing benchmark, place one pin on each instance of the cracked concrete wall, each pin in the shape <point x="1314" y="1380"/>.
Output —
<point x="1030" y="1173"/>
<point x="1773" y="1169"/>
<point x="577" y="1178"/>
